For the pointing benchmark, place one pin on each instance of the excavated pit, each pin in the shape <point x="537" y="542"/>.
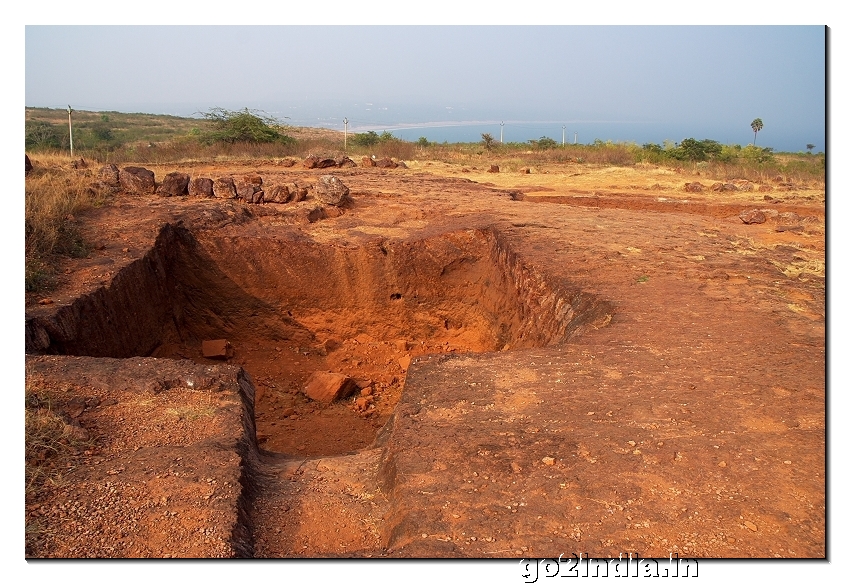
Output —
<point x="290" y="306"/>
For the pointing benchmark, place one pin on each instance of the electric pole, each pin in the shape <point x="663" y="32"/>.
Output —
<point x="502" y="133"/>
<point x="563" y="136"/>
<point x="345" y="139"/>
<point x="70" y="131"/>
<point x="575" y="140"/>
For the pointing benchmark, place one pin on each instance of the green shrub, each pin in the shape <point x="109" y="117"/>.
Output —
<point x="233" y="127"/>
<point x="545" y="143"/>
<point x="366" y="139"/>
<point x="43" y="135"/>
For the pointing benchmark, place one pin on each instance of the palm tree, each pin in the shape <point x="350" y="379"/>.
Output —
<point x="757" y="125"/>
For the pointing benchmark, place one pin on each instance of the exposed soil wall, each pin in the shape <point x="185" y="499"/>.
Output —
<point x="466" y="288"/>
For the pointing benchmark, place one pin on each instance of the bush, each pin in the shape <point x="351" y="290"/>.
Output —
<point x="366" y="139"/>
<point x="232" y="127"/>
<point x="545" y="143"/>
<point x="488" y="141"/>
<point x="42" y="135"/>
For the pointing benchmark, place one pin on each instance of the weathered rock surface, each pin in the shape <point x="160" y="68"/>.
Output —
<point x="137" y="180"/>
<point x="367" y="161"/>
<point x="327" y="387"/>
<point x="385" y="163"/>
<point x="27" y="164"/>
<point x="331" y="190"/>
<point x="174" y="184"/>
<point x="278" y="193"/>
<point x="298" y="191"/>
<point x="224" y="187"/>
<point x="724" y="187"/>
<point x="753" y="216"/>
<point x="201" y="187"/>
<point x="694" y="187"/>
<point x="312" y="161"/>
<point x="108" y="175"/>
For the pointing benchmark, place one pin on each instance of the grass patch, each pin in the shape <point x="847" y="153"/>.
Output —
<point x="54" y="194"/>
<point x="50" y="440"/>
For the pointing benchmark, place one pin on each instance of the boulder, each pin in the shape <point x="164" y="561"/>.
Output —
<point x="246" y="190"/>
<point x="331" y="190"/>
<point x="401" y="164"/>
<point x="385" y="163"/>
<point x="344" y="162"/>
<point x="27" y="164"/>
<point x="174" y="184"/>
<point x="693" y="187"/>
<point x="137" y="180"/>
<point x="287" y="163"/>
<point x="723" y="187"/>
<point x="494" y="169"/>
<point x="753" y="216"/>
<point x="298" y="192"/>
<point x="367" y="161"/>
<point x="201" y="187"/>
<point x="327" y="387"/>
<point x="743" y="185"/>
<point x="108" y="175"/>
<point x="311" y="214"/>
<point x="224" y="187"/>
<point x="313" y="161"/>
<point x="278" y="193"/>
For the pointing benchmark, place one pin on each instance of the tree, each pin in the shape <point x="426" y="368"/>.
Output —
<point x="243" y="126"/>
<point x="757" y="125"/>
<point x="42" y="135"/>
<point x="488" y="141"/>
<point x="810" y="147"/>
<point x="367" y="139"/>
<point x="546" y="143"/>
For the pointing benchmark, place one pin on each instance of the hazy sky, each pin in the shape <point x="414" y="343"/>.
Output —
<point x="685" y="81"/>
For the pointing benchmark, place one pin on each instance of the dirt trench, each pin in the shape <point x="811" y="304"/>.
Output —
<point x="291" y="306"/>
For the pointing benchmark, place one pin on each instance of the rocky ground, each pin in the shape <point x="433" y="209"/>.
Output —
<point x="576" y="359"/>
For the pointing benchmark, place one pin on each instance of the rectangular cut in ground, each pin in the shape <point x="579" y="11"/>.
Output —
<point x="171" y="445"/>
<point x="595" y="449"/>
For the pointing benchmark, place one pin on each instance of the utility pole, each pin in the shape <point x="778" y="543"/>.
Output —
<point x="502" y="133"/>
<point x="563" y="136"/>
<point x="575" y="140"/>
<point x="345" y="142"/>
<point x="70" y="131"/>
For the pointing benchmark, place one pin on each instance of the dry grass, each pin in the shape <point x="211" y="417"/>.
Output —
<point x="50" y="440"/>
<point x="54" y="194"/>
